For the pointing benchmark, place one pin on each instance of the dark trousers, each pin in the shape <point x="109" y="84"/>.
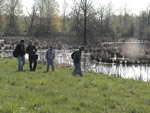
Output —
<point x="77" y="69"/>
<point x="34" y="62"/>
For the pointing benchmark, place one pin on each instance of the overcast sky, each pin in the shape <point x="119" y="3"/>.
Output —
<point x="134" y="6"/>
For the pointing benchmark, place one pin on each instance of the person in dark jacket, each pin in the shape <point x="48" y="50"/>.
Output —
<point x="31" y="50"/>
<point x="20" y="50"/>
<point x="76" y="56"/>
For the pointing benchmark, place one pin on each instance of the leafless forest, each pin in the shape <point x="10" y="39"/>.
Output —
<point x="83" y="25"/>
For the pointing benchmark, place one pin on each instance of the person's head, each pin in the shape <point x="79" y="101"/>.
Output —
<point x="81" y="48"/>
<point x="22" y="42"/>
<point x="30" y="43"/>
<point x="50" y="47"/>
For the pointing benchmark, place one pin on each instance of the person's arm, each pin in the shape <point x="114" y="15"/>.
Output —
<point x="54" y="55"/>
<point x="46" y="55"/>
<point x="24" y="50"/>
<point x="18" y="49"/>
<point x="35" y="49"/>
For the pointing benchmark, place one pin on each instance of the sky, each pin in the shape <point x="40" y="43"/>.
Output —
<point x="133" y="6"/>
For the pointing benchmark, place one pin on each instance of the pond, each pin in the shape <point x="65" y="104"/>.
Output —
<point x="63" y="57"/>
<point x="134" y="71"/>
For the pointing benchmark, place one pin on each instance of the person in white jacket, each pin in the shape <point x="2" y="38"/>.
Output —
<point x="50" y="56"/>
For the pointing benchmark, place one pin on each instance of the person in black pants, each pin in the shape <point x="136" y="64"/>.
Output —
<point x="31" y="50"/>
<point x="76" y="56"/>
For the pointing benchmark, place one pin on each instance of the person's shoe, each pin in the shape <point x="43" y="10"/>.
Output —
<point x="81" y="75"/>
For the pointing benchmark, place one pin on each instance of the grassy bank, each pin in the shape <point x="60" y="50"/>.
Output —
<point x="60" y="92"/>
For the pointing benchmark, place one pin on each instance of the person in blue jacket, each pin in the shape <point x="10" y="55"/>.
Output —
<point x="50" y="56"/>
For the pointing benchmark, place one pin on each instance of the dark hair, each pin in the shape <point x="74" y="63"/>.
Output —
<point x="22" y="41"/>
<point x="81" y="48"/>
<point x="50" y="47"/>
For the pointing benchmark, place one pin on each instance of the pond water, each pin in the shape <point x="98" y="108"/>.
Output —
<point x="137" y="72"/>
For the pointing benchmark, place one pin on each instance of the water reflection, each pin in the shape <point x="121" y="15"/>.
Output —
<point x="137" y="72"/>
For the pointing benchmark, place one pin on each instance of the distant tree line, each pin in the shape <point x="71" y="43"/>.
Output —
<point x="84" y="23"/>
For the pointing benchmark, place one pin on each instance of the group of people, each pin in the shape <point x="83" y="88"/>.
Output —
<point x="31" y="50"/>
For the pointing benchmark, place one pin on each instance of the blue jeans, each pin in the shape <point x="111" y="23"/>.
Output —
<point x="50" y="62"/>
<point x="21" y="62"/>
<point x="77" y="69"/>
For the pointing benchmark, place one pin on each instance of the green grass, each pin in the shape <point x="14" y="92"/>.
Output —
<point x="60" y="92"/>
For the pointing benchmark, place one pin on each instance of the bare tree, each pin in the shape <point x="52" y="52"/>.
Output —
<point x="101" y="15"/>
<point x="76" y="21"/>
<point x="142" y="24"/>
<point x="2" y="20"/>
<point x="47" y="10"/>
<point x="125" y="17"/>
<point x="40" y="5"/>
<point x="109" y="13"/>
<point x="148" y="21"/>
<point x="65" y="6"/>
<point x="32" y="17"/>
<point x="13" y="10"/>
<point x="86" y="7"/>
